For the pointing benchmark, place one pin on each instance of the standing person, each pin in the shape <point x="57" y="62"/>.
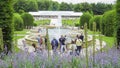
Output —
<point x="82" y="37"/>
<point x="79" y="46"/>
<point x="62" y="43"/>
<point x="73" y="47"/>
<point x="39" y="38"/>
<point x="54" y="44"/>
<point x="45" y="39"/>
<point x="24" y="43"/>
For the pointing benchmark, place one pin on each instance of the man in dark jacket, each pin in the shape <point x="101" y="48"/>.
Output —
<point x="62" y="43"/>
<point x="54" y="44"/>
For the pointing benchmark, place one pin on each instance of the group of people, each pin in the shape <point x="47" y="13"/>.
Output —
<point x="62" y="41"/>
<point x="75" y="44"/>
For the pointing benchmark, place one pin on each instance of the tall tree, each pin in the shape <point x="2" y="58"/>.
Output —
<point x="21" y="5"/>
<point x="6" y="13"/>
<point x="118" y="21"/>
<point x="32" y="5"/>
<point x="65" y="7"/>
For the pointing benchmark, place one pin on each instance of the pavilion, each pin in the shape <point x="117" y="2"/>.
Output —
<point x="55" y="14"/>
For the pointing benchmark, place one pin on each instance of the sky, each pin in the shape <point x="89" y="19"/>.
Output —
<point x="89" y="1"/>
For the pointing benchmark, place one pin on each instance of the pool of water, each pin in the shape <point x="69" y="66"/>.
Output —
<point x="57" y="32"/>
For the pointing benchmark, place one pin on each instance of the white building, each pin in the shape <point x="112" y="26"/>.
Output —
<point x="55" y="14"/>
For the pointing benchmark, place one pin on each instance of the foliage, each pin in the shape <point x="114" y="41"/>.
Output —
<point x="6" y="14"/>
<point x="100" y="8"/>
<point x="18" y="22"/>
<point x="33" y="6"/>
<point x="26" y="5"/>
<point x="109" y="20"/>
<point x="118" y="21"/>
<point x="97" y="20"/>
<point x="85" y="18"/>
<point x="65" y="7"/>
<point x="1" y="40"/>
<point x="44" y="5"/>
<point x="54" y="6"/>
<point x="28" y="20"/>
<point x="86" y="7"/>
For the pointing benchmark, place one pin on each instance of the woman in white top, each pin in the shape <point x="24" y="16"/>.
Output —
<point x="79" y="46"/>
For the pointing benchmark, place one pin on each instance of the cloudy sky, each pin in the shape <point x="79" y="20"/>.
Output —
<point x="89" y="1"/>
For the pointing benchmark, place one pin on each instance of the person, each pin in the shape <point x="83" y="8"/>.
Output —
<point x="73" y="47"/>
<point x="39" y="30"/>
<point x="40" y="41"/>
<point x="24" y="43"/>
<point x="36" y="48"/>
<point x="45" y="39"/>
<point x="62" y="43"/>
<point x="79" y="46"/>
<point x="66" y="38"/>
<point x="81" y="37"/>
<point x="54" y="44"/>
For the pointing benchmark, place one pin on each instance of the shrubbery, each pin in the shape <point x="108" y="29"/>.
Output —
<point x="118" y="21"/>
<point x="28" y="20"/>
<point x="97" y="20"/>
<point x="108" y="23"/>
<point x="85" y="19"/>
<point x="18" y="22"/>
<point x="6" y="15"/>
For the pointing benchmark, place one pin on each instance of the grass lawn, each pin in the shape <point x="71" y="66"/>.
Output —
<point x="21" y="32"/>
<point x="42" y="22"/>
<point x="109" y="40"/>
<point x="16" y="49"/>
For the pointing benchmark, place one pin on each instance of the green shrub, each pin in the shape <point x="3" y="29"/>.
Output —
<point x="18" y="22"/>
<point x="118" y="20"/>
<point x="6" y="15"/>
<point x="97" y="20"/>
<point x="108" y="23"/>
<point x="28" y="20"/>
<point x="85" y="19"/>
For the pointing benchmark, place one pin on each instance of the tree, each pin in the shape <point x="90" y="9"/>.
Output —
<point x="85" y="19"/>
<point x="100" y="8"/>
<point x="18" y="22"/>
<point x="21" y="5"/>
<point x="28" y="20"/>
<point x="77" y="7"/>
<point x="118" y="22"/>
<point x="32" y="5"/>
<point x="44" y="5"/>
<point x="109" y="22"/>
<point x="6" y="14"/>
<point x="54" y="6"/>
<point x="65" y="7"/>
<point x="86" y="7"/>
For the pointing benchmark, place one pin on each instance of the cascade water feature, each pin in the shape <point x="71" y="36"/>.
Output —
<point x="57" y="31"/>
